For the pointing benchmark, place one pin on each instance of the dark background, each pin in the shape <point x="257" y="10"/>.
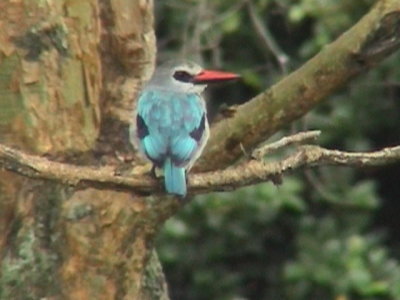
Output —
<point x="325" y="233"/>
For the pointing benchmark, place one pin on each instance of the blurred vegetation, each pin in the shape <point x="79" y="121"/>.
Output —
<point x="327" y="233"/>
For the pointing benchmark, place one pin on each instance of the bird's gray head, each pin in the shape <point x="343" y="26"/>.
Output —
<point x="186" y="77"/>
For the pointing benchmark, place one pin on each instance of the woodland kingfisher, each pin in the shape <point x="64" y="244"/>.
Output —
<point x="169" y="125"/>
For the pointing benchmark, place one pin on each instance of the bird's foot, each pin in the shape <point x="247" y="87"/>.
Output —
<point x="153" y="172"/>
<point x="156" y="173"/>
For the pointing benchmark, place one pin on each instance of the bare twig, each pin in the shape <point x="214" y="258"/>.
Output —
<point x="306" y="156"/>
<point x="285" y="141"/>
<point x="267" y="39"/>
<point x="248" y="173"/>
<point x="318" y="186"/>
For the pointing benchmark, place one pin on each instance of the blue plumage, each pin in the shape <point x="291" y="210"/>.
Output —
<point x="175" y="178"/>
<point x="167" y="120"/>
<point x="170" y="124"/>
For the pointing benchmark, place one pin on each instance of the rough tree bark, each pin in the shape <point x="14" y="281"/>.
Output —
<point x="69" y="71"/>
<point x="65" y="69"/>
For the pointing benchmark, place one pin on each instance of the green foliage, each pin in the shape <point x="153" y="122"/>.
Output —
<point x="333" y="17"/>
<point x="334" y="261"/>
<point x="316" y="236"/>
<point x="262" y="236"/>
<point x="210" y="247"/>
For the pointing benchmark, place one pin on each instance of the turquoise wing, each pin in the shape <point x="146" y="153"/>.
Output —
<point x="170" y="124"/>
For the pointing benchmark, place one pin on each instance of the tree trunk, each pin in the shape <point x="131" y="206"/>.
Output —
<point x="68" y="70"/>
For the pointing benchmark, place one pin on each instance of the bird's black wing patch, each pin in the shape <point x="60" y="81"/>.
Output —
<point x="197" y="133"/>
<point x="141" y="127"/>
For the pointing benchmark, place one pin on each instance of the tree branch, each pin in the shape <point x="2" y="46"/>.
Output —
<point x="247" y="173"/>
<point x="362" y="47"/>
<point x="259" y="153"/>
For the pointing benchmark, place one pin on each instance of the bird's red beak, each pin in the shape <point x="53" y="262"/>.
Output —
<point x="210" y="76"/>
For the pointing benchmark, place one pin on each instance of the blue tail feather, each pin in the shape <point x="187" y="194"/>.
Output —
<point x="175" y="178"/>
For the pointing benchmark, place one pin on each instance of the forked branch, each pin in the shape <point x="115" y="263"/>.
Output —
<point x="247" y="173"/>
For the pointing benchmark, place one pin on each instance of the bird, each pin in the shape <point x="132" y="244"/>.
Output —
<point x="169" y="125"/>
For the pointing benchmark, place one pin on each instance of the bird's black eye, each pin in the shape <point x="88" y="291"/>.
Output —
<point x="183" y="76"/>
